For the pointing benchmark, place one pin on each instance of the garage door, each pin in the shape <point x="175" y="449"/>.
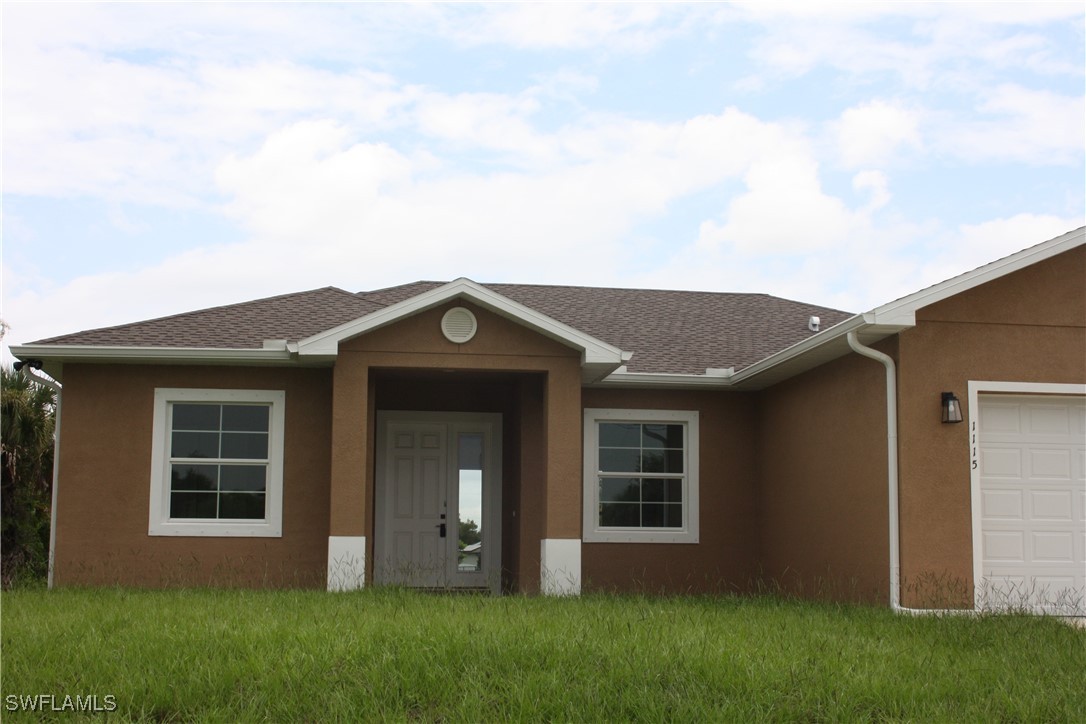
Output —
<point x="1031" y="452"/>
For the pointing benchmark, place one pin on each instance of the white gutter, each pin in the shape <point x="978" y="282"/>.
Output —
<point x="28" y="372"/>
<point x="64" y="352"/>
<point x="892" y="484"/>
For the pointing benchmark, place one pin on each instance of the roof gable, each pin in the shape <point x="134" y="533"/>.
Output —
<point x="597" y="357"/>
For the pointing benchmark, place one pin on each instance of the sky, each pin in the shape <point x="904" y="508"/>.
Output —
<point x="164" y="157"/>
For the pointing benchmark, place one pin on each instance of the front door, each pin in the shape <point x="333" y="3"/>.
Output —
<point x="438" y="500"/>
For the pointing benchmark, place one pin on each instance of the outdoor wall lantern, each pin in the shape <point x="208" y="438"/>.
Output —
<point x="952" y="409"/>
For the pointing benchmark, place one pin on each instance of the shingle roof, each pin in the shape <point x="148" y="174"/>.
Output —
<point x="668" y="331"/>
<point x="239" y="326"/>
<point x="673" y="331"/>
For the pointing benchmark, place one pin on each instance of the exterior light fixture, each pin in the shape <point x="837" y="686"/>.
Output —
<point x="952" y="408"/>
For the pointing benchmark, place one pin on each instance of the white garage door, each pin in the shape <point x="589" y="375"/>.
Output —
<point x="1031" y="452"/>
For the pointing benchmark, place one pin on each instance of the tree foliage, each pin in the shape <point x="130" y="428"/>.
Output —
<point x="469" y="532"/>
<point x="27" y="417"/>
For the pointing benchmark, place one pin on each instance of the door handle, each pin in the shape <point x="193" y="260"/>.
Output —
<point x="441" y="529"/>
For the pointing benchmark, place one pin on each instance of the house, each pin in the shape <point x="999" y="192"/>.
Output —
<point x="605" y="439"/>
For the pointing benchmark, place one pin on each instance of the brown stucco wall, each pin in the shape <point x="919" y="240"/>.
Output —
<point x="725" y="557"/>
<point x="1028" y="326"/>
<point x="105" y="472"/>
<point x="822" y="482"/>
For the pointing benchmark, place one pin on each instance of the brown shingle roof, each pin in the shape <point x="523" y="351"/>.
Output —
<point x="242" y="326"/>
<point x="668" y="331"/>
<point x="672" y="331"/>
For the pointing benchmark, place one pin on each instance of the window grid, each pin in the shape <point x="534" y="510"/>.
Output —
<point x="615" y="512"/>
<point x="647" y="463"/>
<point x="246" y="499"/>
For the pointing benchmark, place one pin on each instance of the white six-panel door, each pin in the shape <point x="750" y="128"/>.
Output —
<point x="1029" y="453"/>
<point x="416" y="462"/>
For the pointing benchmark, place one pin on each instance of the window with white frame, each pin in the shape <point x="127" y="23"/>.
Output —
<point x="640" y="476"/>
<point x="217" y="462"/>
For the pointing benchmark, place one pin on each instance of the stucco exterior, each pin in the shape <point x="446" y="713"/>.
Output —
<point x="821" y="451"/>
<point x="724" y="559"/>
<point x="793" y="490"/>
<point x="105" y="472"/>
<point x="1029" y="326"/>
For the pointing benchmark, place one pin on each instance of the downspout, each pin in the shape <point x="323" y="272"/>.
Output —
<point x="892" y="485"/>
<point x="891" y="463"/>
<point x="27" y="369"/>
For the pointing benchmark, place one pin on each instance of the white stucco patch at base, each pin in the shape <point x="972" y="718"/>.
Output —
<point x="560" y="566"/>
<point x="346" y="562"/>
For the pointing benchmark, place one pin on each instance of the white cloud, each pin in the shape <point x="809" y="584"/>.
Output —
<point x="871" y="133"/>
<point x="1020" y="125"/>
<point x="784" y="209"/>
<point x="874" y="183"/>
<point x="932" y="46"/>
<point x="632" y="27"/>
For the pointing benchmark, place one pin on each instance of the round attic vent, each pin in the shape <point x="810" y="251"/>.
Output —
<point x="459" y="325"/>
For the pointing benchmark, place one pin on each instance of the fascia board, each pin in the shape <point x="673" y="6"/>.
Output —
<point x="665" y="380"/>
<point x="593" y="351"/>
<point x="839" y="330"/>
<point x="904" y="310"/>
<point x="89" y="353"/>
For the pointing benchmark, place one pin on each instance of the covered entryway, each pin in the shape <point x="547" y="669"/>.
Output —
<point x="438" y="500"/>
<point x="1028" y="460"/>
<point x="498" y="358"/>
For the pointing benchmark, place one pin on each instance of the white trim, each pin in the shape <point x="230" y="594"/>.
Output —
<point x="560" y="566"/>
<point x="90" y="353"/>
<point x="689" y="532"/>
<point x="346" y="562"/>
<point x="159" y="521"/>
<point x="976" y="389"/>
<point x="593" y="351"/>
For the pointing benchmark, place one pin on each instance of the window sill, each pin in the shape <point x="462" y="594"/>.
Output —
<point x="639" y="536"/>
<point x="216" y="530"/>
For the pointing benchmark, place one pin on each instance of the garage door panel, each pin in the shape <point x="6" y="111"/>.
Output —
<point x="1050" y="464"/>
<point x="1005" y="546"/>
<point x="1001" y="462"/>
<point x="1056" y="547"/>
<point x="1002" y="504"/>
<point x="1032" y="495"/>
<point x="1047" y="420"/>
<point x="1051" y="505"/>
<point x="1000" y="418"/>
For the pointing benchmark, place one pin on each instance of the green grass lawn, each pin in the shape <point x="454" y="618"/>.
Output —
<point x="391" y="654"/>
